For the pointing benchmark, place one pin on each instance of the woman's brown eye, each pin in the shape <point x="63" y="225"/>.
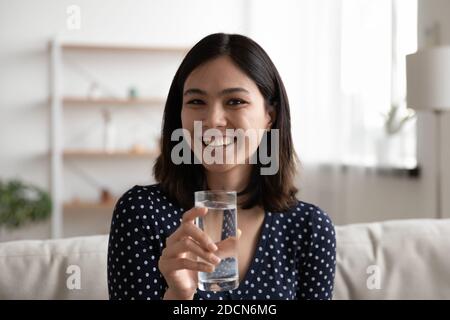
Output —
<point x="236" y="101"/>
<point x="195" y="101"/>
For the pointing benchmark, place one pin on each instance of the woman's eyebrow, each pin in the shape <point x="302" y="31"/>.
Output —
<point x="194" y="91"/>
<point x="223" y="92"/>
<point x="233" y="90"/>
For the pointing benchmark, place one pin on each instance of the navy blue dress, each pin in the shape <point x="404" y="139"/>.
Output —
<point x="295" y="256"/>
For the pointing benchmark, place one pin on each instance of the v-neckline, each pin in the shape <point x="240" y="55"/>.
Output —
<point x="258" y="254"/>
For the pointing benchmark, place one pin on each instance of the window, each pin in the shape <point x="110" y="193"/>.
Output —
<point x="352" y="72"/>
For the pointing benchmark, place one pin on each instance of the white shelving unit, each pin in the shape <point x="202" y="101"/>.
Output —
<point x="58" y="101"/>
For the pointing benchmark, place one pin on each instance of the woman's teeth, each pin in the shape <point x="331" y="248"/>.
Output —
<point x="218" y="142"/>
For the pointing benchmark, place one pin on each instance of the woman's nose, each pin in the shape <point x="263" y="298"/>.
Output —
<point x="215" y="116"/>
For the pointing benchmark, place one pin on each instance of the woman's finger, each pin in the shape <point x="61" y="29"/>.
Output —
<point x="184" y="263"/>
<point x="188" y="245"/>
<point x="191" y="230"/>
<point x="188" y="218"/>
<point x="190" y="215"/>
<point x="228" y="247"/>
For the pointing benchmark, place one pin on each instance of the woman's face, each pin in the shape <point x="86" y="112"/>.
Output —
<point x="224" y="98"/>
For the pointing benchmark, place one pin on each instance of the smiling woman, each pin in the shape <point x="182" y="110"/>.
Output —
<point x="218" y="110"/>
<point x="226" y="100"/>
<point x="229" y="82"/>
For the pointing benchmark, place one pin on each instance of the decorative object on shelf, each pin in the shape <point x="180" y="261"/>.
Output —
<point x="106" y="196"/>
<point x="427" y="81"/>
<point x="109" y="132"/>
<point x="133" y="93"/>
<point x="94" y="91"/>
<point x="142" y="138"/>
<point x="21" y="203"/>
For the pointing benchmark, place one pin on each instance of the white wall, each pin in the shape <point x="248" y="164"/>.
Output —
<point x="432" y="12"/>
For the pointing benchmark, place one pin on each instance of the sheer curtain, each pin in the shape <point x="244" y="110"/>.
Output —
<point x="348" y="80"/>
<point x="346" y="69"/>
<point x="353" y="72"/>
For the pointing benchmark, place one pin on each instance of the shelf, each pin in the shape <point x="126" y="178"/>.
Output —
<point x="59" y="100"/>
<point x="118" y="153"/>
<point x="80" y="101"/>
<point x="85" y="205"/>
<point x="121" y="48"/>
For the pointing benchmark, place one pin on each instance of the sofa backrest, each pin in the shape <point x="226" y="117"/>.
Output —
<point x="404" y="259"/>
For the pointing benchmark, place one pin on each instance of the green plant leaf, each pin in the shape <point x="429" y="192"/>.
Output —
<point x="21" y="203"/>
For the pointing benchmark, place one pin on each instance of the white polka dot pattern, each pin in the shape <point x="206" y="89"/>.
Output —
<point x="295" y="257"/>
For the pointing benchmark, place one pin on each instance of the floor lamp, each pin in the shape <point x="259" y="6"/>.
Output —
<point x="428" y="89"/>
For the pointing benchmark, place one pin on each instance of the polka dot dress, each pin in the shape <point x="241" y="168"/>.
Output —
<point x="295" y="257"/>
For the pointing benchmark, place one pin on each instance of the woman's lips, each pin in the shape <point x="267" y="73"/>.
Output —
<point x="217" y="142"/>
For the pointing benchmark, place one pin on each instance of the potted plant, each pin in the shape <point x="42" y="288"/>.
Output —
<point x="21" y="203"/>
<point x="393" y="123"/>
<point x="390" y="140"/>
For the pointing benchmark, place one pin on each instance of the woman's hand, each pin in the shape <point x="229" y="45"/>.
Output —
<point x="178" y="262"/>
<point x="227" y="248"/>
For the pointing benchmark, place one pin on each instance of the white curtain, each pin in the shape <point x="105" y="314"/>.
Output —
<point x="345" y="69"/>
<point x="354" y="71"/>
<point x="347" y="81"/>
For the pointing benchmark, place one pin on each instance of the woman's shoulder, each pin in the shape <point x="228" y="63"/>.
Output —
<point x="144" y="193"/>
<point x="137" y="190"/>
<point x="148" y="201"/>
<point x="304" y="209"/>
<point x="307" y="215"/>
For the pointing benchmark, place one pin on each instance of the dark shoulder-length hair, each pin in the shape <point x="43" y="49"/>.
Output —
<point x="180" y="181"/>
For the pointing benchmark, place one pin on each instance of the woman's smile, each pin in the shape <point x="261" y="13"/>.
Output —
<point x="216" y="142"/>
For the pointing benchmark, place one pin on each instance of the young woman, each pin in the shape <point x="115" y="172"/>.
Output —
<point x="286" y="246"/>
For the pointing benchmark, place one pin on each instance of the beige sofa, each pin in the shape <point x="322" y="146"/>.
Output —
<point x="403" y="259"/>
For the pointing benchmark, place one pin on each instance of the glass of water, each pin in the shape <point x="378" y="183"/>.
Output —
<point x="220" y="223"/>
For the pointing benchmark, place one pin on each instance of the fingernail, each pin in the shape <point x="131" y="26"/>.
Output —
<point x="215" y="259"/>
<point x="212" y="246"/>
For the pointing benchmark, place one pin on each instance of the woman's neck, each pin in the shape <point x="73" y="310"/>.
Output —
<point x="235" y="179"/>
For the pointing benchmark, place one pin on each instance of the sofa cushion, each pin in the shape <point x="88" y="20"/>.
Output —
<point x="402" y="259"/>
<point x="50" y="269"/>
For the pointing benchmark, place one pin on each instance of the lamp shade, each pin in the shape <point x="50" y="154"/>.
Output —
<point x="428" y="79"/>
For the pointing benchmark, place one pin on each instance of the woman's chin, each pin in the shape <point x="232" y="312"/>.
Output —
<point x="218" y="168"/>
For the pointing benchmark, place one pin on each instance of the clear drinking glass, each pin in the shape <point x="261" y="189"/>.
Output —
<point x="220" y="223"/>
